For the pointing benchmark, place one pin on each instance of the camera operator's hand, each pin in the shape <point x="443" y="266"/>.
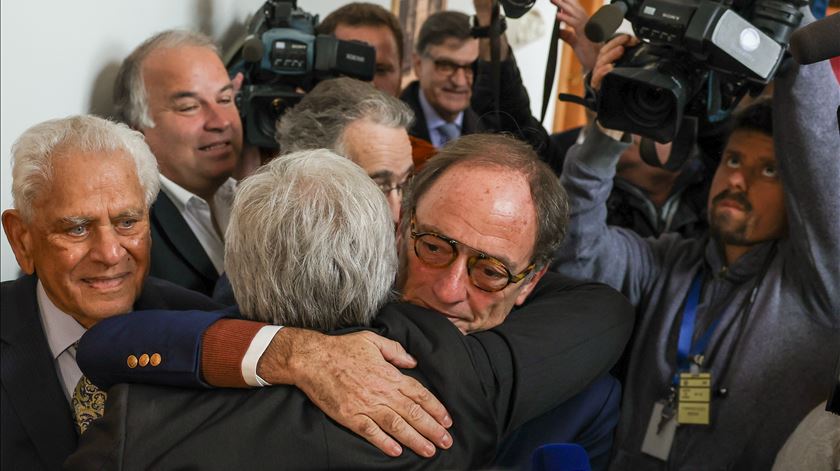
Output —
<point x="575" y="17"/>
<point x="611" y="52"/>
<point x="483" y="14"/>
<point x="354" y="379"/>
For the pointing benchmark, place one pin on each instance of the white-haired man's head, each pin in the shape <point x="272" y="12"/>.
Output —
<point x="310" y="243"/>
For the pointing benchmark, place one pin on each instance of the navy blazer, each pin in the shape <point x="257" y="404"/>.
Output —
<point x="37" y="424"/>
<point x="177" y="255"/>
<point x="471" y="124"/>
<point x="492" y="382"/>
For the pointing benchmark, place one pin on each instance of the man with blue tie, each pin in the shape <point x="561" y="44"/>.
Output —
<point x="443" y="61"/>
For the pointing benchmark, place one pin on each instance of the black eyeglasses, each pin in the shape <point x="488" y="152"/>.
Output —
<point x="450" y="68"/>
<point x="387" y="187"/>
<point x="486" y="273"/>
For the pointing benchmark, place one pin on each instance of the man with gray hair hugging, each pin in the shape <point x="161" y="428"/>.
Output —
<point x="308" y="246"/>
<point x="354" y="119"/>
<point x="357" y="121"/>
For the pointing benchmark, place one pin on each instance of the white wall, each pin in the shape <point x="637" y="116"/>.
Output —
<point x="59" y="58"/>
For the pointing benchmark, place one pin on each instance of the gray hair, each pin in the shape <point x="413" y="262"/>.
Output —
<point x="35" y="150"/>
<point x="130" y="101"/>
<point x="507" y="153"/>
<point x="321" y="117"/>
<point x="310" y="243"/>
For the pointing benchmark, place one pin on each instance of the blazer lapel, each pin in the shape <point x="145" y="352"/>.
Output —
<point x="30" y="378"/>
<point x="411" y="96"/>
<point x="173" y="227"/>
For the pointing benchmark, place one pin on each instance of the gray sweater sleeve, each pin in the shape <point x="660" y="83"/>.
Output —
<point x="593" y="250"/>
<point x="807" y="145"/>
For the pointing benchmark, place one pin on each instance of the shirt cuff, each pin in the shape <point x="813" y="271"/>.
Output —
<point x="254" y="352"/>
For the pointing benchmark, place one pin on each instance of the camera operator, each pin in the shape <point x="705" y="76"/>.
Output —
<point x="378" y="27"/>
<point x="761" y="284"/>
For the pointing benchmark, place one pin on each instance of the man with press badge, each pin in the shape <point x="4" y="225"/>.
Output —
<point x="738" y="330"/>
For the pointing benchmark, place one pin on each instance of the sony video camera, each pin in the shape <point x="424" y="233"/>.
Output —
<point x="697" y="59"/>
<point x="281" y="58"/>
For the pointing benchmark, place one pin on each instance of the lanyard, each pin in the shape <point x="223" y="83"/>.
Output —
<point x="686" y="351"/>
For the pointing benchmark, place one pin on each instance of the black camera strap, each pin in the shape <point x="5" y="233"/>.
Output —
<point x="681" y="147"/>
<point x="495" y="58"/>
<point x="551" y="67"/>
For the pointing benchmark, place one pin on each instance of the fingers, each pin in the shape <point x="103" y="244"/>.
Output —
<point x="572" y="13"/>
<point x="567" y="35"/>
<point x="432" y="408"/>
<point x="349" y="379"/>
<point x="366" y="428"/>
<point x="392" y="351"/>
<point x="610" y="52"/>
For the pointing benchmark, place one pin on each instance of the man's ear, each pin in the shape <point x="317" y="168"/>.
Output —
<point x="530" y="285"/>
<point x="20" y="238"/>
<point x="237" y="82"/>
<point x="415" y="62"/>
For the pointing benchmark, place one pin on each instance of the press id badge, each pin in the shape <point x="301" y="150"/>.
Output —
<point x="694" y="398"/>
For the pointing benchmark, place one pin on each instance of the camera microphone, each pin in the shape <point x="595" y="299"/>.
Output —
<point x="252" y="49"/>
<point x="817" y="41"/>
<point x="605" y="22"/>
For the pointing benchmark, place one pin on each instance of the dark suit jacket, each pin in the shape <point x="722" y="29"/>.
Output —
<point x="491" y="382"/>
<point x="177" y="255"/>
<point x="37" y="424"/>
<point x="471" y="124"/>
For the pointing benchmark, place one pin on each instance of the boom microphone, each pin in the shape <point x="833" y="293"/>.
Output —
<point x="815" y="42"/>
<point x="605" y="22"/>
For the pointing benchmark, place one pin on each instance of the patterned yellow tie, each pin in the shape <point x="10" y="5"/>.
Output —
<point x="88" y="403"/>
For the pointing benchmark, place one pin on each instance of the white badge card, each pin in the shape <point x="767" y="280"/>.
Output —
<point x="660" y="431"/>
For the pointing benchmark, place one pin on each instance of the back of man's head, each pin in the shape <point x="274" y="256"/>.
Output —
<point x="441" y="26"/>
<point x="130" y="97"/>
<point x="319" y="120"/>
<point x="363" y="14"/>
<point x="310" y="243"/>
<point x="507" y="154"/>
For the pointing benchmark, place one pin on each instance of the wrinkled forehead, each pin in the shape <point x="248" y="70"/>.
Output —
<point x="487" y="207"/>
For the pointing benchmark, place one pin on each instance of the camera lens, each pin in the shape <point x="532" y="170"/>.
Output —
<point x="646" y="105"/>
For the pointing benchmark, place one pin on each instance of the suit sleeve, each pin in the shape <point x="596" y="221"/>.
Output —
<point x="516" y="117"/>
<point x="175" y="336"/>
<point x="566" y="336"/>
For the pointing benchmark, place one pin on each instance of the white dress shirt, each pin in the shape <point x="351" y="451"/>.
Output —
<point x="196" y="212"/>
<point x="62" y="331"/>
<point x="434" y="121"/>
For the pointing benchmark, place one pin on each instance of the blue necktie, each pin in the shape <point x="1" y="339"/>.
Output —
<point x="448" y="132"/>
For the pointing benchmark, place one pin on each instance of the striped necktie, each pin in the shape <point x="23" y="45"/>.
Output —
<point x="448" y="132"/>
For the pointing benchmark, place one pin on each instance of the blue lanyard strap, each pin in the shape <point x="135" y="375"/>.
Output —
<point x="686" y="350"/>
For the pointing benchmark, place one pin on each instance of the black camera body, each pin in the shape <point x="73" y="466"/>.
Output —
<point x="282" y="58"/>
<point x="697" y="60"/>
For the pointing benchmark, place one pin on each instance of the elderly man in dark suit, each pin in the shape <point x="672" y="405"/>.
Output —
<point x="305" y="249"/>
<point x="82" y="188"/>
